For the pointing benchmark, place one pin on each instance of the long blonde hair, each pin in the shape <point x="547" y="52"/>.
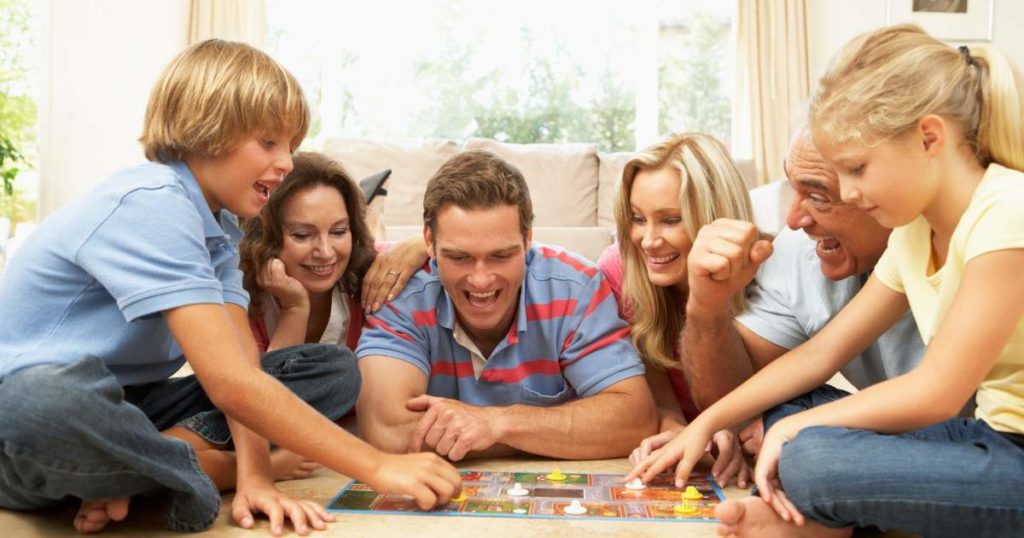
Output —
<point x="883" y="82"/>
<point x="710" y="187"/>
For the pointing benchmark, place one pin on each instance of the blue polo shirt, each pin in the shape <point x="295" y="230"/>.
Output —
<point x="94" y="278"/>
<point x="567" y="339"/>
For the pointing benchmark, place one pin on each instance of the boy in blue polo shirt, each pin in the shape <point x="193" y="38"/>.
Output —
<point x="113" y="293"/>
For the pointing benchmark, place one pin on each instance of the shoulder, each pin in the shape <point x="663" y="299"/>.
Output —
<point x="558" y="265"/>
<point x="423" y="290"/>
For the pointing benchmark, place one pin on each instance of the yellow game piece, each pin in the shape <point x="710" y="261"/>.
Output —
<point x="460" y="498"/>
<point x="556" y="475"/>
<point x="686" y="507"/>
<point x="692" y="494"/>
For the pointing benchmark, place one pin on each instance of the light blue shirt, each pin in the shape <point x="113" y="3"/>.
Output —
<point x="94" y="278"/>
<point x="791" y="300"/>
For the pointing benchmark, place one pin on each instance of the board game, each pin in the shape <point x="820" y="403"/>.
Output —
<point x="572" y="495"/>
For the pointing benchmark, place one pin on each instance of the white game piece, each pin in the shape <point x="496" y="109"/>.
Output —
<point x="517" y="490"/>
<point x="635" y="484"/>
<point x="575" y="508"/>
<point x="519" y="511"/>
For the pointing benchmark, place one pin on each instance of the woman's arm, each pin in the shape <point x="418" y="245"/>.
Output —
<point x="391" y="270"/>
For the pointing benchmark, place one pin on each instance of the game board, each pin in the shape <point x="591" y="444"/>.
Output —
<point x="603" y="495"/>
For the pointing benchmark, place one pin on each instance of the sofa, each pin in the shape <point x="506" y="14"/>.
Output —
<point x="573" y="186"/>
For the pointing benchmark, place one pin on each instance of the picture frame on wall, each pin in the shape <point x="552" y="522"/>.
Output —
<point x="948" y="20"/>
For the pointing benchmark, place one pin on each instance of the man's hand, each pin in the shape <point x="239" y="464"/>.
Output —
<point x="729" y="462"/>
<point x="724" y="259"/>
<point x="752" y="436"/>
<point x="289" y="292"/>
<point x="424" y="476"/>
<point x="260" y="496"/>
<point x="451" y="428"/>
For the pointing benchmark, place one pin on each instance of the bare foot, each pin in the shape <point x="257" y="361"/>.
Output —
<point x="95" y="514"/>
<point x="751" y="516"/>
<point x="287" y="465"/>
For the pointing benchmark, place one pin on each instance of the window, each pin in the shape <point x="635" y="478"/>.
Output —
<point x="18" y="88"/>
<point x="614" y="73"/>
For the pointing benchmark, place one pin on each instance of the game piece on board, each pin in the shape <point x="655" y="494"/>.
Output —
<point x="685" y="507"/>
<point x="635" y="484"/>
<point x="556" y="475"/>
<point x="692" y="494"/>
<point x="575" y="508"/>
<point x="517" y="490"/>
<point x="460" y="498"/>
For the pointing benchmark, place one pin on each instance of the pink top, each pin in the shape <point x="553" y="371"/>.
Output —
<point x="610" y="264"/>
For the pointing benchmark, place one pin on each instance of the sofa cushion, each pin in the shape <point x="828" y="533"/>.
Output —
<point x="411" y="166"/>
<point x="562" y="179"/>
<point x="610" y="169"/>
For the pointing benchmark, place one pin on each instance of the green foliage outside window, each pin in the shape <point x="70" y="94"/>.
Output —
<point x="17" y="109"/>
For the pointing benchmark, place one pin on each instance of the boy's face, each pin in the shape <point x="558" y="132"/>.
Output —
<point x="481" y="258"/>
<point x="241" y="180"/>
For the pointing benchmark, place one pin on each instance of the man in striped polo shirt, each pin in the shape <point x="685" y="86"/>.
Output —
<point x="498" y="345"/>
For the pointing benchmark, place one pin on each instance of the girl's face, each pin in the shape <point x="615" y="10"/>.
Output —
<point x="317" y="242"/>
<point x="890" y="181"/>
<point x="657" y="227"/>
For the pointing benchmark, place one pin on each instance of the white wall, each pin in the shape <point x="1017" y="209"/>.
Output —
<point x="834" y="22"/>
<point x="99" y="60"/>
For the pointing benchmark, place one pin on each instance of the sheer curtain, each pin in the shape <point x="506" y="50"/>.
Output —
<point x="237" y="20"/>
<point x="772" y="77"/>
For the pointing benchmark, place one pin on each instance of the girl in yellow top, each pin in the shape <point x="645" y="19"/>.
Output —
<point x="928" y="140"/>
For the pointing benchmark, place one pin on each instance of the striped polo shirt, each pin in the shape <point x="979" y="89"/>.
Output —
<point x="567" y="339"/>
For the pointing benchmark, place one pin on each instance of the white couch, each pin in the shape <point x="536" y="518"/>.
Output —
<point x="573" y="186"/>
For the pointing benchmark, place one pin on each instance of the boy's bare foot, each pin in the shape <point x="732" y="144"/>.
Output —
<point x="287" y="465"/>
<point x="95" y="514"/>
<point x="751" y="516"/>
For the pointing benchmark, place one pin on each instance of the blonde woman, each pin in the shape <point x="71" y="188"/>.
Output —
<point x="668" y="192"/>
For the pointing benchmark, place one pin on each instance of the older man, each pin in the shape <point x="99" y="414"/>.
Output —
<point x="814" y="269"/>
<point x="499" y="345"/>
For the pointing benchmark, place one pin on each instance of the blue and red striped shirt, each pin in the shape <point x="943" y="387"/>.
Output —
<point x="567" y="339"/>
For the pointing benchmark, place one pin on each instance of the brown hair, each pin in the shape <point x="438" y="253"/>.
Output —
<point x="710" y="187"/>
<point x="883" y="82"/>
<point x="264" y="235"/>
<point x="214" y="95"/>
<point x="477" y="180"/>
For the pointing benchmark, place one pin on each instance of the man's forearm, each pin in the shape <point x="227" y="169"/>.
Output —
<point x="606" y="425"/>
<point x="714" y="358"/>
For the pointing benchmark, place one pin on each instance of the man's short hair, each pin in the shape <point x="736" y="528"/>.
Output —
<point x="214" y="95"/>
<point x="477" y="180"/>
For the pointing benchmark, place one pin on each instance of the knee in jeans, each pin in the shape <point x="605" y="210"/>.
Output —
<point x="808" y="461"/>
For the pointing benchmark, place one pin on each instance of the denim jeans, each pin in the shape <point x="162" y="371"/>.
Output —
<point x="956" y="478"/>
<point x="73" y="430"/>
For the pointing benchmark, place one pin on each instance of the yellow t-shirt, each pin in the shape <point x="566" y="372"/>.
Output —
<point x="994" y="220"/>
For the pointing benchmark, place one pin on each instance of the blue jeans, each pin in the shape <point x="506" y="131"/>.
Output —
<point x="956" y="478"/>
<point x="73" y="430"/>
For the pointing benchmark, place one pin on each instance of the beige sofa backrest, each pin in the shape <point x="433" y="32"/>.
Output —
<point x="573" y="186"/>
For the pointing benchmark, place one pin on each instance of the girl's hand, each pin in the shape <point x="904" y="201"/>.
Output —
<point x="390" y="271"/>
<point x="729" y="460"/>
<point x="290" y="293"/>
<point x="652" y="443"/>
<point x="687" y="448"/>
<point x="766" y="474"/>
